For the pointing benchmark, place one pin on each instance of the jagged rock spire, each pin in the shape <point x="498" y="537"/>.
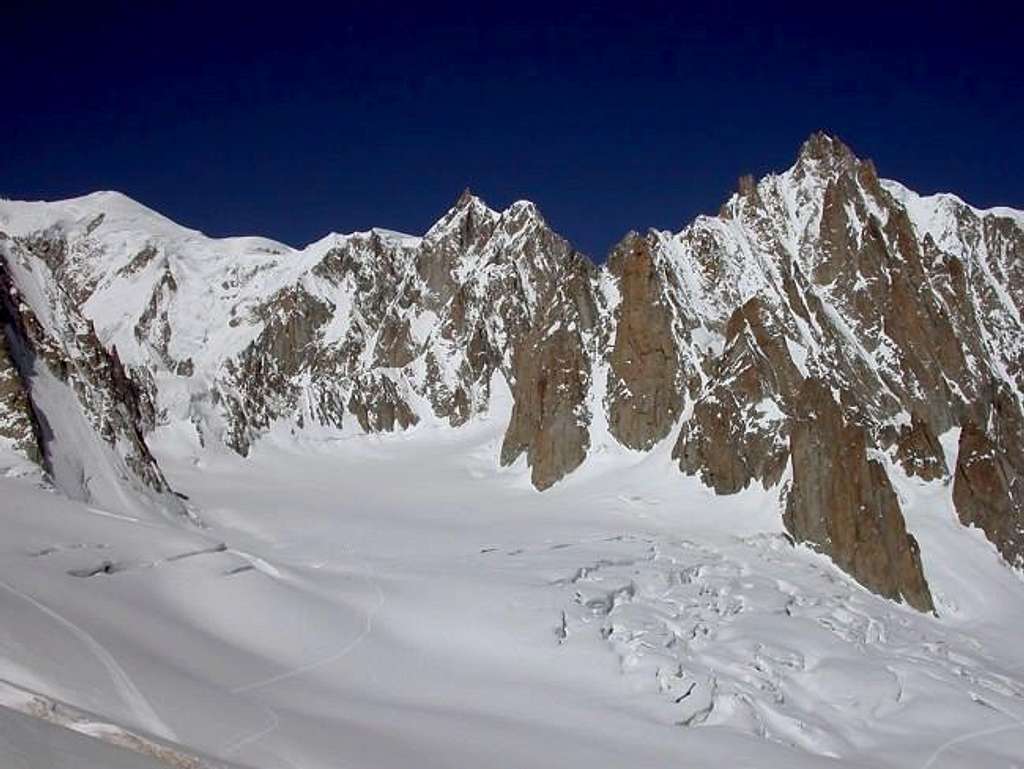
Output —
<point x="906" y="309"/>
<point x="466" y="198"/>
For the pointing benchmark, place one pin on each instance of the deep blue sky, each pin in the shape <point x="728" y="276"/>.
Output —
<point x="297" y="121"/>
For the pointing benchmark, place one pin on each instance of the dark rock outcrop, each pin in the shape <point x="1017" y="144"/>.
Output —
<point x="841" y="502"/>
<point x="988" y="491"/>
<point x="644" y="375"/>
<point x="549" y="420"/>
<point x="118" y="410"/>
<point x="738" y="429"/>
<point x="18" y="425"/>
<point x="907" y="308"/>
<point x="262" y="379"/>
<point x="919" y="452"/>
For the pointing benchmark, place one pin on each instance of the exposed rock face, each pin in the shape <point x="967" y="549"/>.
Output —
<point x="842" y="502"/>
<point x="18" y="427"/>
<point x="55" y="357"/>
<point x="515" y="299"/>
<point x="379" y="407"/>
<point x="919" y="452"/>
<point x="266" y="371"/>
<point x="738" y="429"/>
<point x="988" y="491"/>
<point x="549" y="420"/>
<point x="908" y="307"/>
<point x="644" y="375"/>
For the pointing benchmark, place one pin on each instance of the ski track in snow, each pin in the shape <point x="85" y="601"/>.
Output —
<point x="344" y="651"/>
<point x="633" y="597"/>
<point x="274" y="719"/>
<point x="251" y="739"/>
<point x="125" y="686"/>
<point x="967" y="738"/>
<point x="233" y="747"/>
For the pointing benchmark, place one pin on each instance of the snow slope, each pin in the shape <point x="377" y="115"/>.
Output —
<point x="345" y="595"/>
<point x="392" y="601"/>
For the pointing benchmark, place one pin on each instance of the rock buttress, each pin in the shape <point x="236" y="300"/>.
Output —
<point x="841" y="502"/>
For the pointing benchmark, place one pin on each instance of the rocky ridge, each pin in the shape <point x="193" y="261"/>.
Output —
<point x="67" y="402"/>
<point x="825" y="327"/>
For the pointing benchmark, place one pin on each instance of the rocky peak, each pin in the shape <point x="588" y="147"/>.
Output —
<point x="525" y="209"/>
<point x="905" y="311"/>
<point x="466" y="199"/>
<point x="465" y="220"/>
<point x="826" y="150"/>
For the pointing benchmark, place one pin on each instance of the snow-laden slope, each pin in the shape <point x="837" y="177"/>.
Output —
<point x="401" y="600"/>
<point x="66" y="401"/>
<point x="905" y="306"/>
<point x="832" y="359"/>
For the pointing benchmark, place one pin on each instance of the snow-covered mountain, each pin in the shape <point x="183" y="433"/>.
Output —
<point x="823" y="317"/>
<point x="826" y="342"/>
